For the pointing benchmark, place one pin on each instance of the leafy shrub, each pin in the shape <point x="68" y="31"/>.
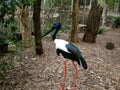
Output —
<point x="6" y="64"/>
<point x="110" y="45"/>
<point x="116" y="22"/>
<point x="2" y="37"/>
<point x="3" y="68"/>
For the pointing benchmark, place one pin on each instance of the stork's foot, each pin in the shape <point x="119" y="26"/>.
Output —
<point x="73" y="88"/>
<point x="61" y="87"/>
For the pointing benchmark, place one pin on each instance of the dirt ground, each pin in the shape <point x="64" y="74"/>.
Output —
<point x="46" y="72"/>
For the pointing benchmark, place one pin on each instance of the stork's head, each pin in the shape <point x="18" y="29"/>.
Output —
<point x="56" y="26"/>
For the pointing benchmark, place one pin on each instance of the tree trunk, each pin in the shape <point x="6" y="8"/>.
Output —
<point x="75" y="18"/>
<point x="37" y="31"/>
<point x="104" y="14"/>
<point x="61" y="11"/>
<point x="93" y="22"/>
<point x="26" y="32"/>
<point x="90" y="5"/>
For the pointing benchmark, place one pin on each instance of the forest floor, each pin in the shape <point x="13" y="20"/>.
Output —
<point x="45" y="72"/>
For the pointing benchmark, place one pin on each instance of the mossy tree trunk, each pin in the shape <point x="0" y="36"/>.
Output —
<point x="75" y="17"/>
<point x="104" y="14"/>
<point x="26" y="32"/>
<point x="93" y="23"/>
<point x="37" y="31"/>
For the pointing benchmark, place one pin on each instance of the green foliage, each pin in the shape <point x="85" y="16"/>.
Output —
<point x="7" y="7"/>
<point x="8" y="24"/>
<point x="27" y="2"/>
<point x="101" y="30"/>
<point x="48" y="4"/>
<point x="51" y="4"/>
<point x="7" y="14"/>
<point x="8" y="20"/>
<point x="3" y="68"/>
<point x="65" y="28"/>
<point x="6" y="64"/>
<point x="101" y="3"/>
<point x="82" y="2"/>
<point x="2" y="37"/>
<point x="111" y="3"/>
<point x="68" y="3"/>
<point x="8" y="27"/>
<point x="3" y="43"/>
<point x="13" y="27"/>
<point x="116" y="22"/>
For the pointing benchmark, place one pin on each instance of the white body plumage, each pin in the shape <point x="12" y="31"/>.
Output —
<point x="61" y="44"/>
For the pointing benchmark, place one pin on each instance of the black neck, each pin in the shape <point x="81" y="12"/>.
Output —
<point x="54" y="35"/>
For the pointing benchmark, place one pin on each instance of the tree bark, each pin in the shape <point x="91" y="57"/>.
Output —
<point x="62" y="10"/>
<point x="93" y="23"/>
<point x="104" y="14"/>
<point x="36" y="19"/>
<point x="26" y="32"/>
<point x="75" y="18"/>
<point x="90" y="5"/>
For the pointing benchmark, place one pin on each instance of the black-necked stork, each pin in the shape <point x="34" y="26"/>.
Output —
<point x="68" y="51"/>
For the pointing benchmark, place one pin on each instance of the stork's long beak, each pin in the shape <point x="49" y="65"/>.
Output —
<point x="52" y="28"/>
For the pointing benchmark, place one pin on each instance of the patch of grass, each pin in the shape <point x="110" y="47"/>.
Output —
<point x="101" y="30"/>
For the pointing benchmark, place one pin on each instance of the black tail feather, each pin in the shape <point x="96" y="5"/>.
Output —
<point x="83" y="62"/>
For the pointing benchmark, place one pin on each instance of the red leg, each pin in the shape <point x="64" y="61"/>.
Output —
<point x="65" y="72"/>
<point x="75" y="77"/>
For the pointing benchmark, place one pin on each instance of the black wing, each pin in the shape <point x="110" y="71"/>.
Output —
<point x="74" y="50"/>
